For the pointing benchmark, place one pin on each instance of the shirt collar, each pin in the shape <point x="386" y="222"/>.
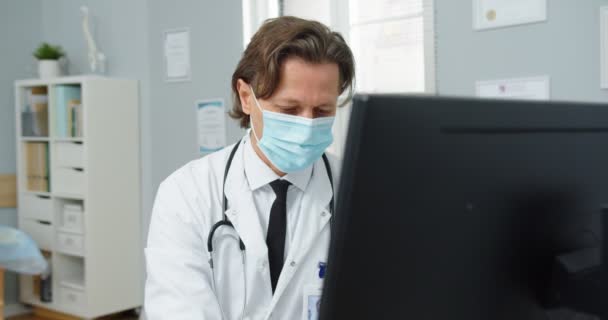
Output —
<point x="259" y="174"/>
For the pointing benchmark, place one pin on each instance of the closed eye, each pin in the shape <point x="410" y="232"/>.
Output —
<point x="321" y="112"/>
<point x="289" y="109"/>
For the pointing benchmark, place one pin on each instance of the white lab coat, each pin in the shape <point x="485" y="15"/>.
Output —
<point x="180" y="281"/>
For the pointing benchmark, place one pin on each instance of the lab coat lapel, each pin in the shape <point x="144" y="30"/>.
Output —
<point x="243" y="215"/>
<point x="241" y="208"/>
<point x="314" y="217"/>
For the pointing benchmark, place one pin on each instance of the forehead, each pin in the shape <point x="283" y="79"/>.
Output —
<point x="308" y="82"/>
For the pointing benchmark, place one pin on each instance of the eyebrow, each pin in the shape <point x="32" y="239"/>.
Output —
<point x="288" y="101"/>
<point x="297" y="102"/>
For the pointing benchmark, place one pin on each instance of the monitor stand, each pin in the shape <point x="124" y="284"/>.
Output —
<point x="579" y="279"/>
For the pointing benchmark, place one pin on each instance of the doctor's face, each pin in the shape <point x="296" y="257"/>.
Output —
<point x="306" y="89"/>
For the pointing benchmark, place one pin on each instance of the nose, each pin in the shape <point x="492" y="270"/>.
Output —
<point x="307" y="113"/>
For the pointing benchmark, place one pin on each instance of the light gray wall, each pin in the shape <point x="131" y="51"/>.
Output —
<point x="17" y="41"/>
<point x="566" y="48"/>
<point x="216" y="46"/>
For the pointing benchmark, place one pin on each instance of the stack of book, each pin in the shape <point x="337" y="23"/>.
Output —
<point x="34" y="117"/>
<point x="69" y="111"/>
<point x="37" y="166"/>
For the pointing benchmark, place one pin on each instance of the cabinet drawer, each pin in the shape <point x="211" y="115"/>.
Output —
<point x="72" y="219"/>
<point x="41" y="232"/>
<point x="72" y="299"/>
<point x="70" y="243"/>
<point x="36" y="207"/>
<point x="69" y="154"/>
<point x="68" y="180"/>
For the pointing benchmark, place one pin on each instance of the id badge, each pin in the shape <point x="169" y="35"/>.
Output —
<point x="312" y="301"/>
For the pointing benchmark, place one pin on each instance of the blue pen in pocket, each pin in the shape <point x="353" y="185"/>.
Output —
<point x="322" y="269"/>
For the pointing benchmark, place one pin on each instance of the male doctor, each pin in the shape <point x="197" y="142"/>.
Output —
<point x="264" y="256"/>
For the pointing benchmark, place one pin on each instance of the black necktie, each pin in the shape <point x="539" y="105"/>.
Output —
<point x="277" y="225"/>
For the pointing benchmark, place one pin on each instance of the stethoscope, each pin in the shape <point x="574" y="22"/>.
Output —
<point x="226" y="223"/>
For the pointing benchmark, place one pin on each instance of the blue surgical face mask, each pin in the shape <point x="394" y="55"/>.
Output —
<point x="293" y="143"/>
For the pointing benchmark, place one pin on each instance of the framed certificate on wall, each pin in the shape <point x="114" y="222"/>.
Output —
<point x="489" y="14"/>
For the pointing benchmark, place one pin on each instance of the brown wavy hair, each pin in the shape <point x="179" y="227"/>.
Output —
<point x="281" y="38"/>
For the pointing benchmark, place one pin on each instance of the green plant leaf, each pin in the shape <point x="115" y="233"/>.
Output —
<point x="47" y="51"/>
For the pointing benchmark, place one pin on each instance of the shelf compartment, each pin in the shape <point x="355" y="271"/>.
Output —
<point x="35" y="112"/>
<point x="70" y="281"/>
<point x="67" y="111"/>
<point x="69" y="271"/>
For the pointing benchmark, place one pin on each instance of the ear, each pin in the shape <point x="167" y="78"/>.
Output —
<point x="245" y="97"/>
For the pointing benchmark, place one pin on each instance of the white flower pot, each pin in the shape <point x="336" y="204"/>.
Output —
<point x="48" y="69"/>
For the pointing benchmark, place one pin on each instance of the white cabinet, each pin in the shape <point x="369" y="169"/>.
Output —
<point x="79" y="191"/>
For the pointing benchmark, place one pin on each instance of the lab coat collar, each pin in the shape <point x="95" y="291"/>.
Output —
<point x="241" y="207"/>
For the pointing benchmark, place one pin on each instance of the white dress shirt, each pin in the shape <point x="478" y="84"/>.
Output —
<point x="259" y="176"/>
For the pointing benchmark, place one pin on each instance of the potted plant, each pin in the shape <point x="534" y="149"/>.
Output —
<point x="48" y="60"/>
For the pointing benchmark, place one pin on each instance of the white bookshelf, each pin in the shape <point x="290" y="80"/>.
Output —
<point x="97" y="267"/>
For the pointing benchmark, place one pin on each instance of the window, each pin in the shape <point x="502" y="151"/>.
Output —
<point x="393" y="42"/>
<point x="255" y="12"/>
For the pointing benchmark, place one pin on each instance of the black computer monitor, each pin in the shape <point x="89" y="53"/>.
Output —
<point x="454" y="208"/>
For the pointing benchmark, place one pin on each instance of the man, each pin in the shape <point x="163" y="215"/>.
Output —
<point x="264" y="256"/>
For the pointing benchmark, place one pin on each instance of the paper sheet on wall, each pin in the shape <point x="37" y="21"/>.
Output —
<point x="177" y="55"/>
<point x="536" y="88"/>
<point x="501" y="13"/>
<point x="211" y="120"/>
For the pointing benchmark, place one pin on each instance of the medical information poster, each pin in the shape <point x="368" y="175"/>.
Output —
<point x="211" y="123"/>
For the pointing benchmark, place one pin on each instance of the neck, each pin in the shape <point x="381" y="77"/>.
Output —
<point x="254" y="143"/>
